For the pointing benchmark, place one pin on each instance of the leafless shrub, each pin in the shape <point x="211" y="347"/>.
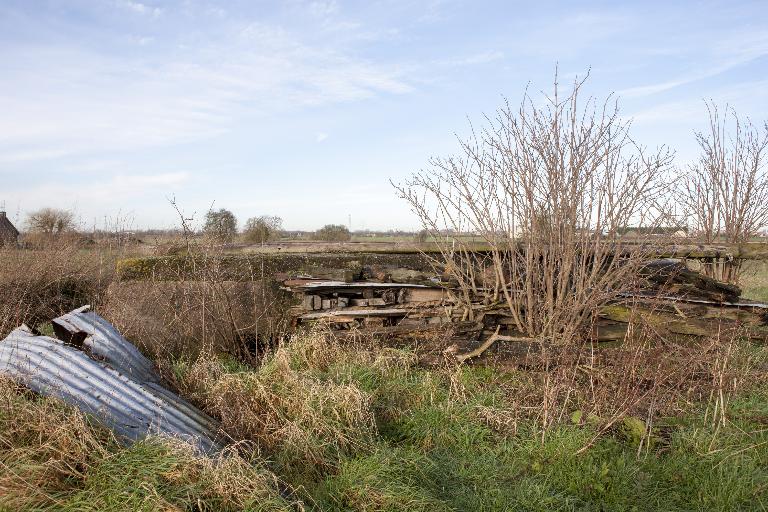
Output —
<point x="725" y="193"/>
<point x="169" y="319"/>
<point x="549" y="190"/>
<point x="197" y="307"/>
<point x="51" y="221"/>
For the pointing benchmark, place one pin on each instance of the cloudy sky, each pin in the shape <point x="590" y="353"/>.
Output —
<point x="306" y="110"/>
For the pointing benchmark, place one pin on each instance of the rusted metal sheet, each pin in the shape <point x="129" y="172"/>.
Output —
<point x="99" y="338"/>
<point x="131" y="408"/>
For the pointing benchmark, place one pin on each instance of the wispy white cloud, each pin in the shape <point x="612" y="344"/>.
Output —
<point x="751" y="96"/>
<point x="105" y="193"/>
<point x="68" y="100"/>
<point x="139" y="8"/>
<point x="323" y="8"/>
<point x="726" y="54"/>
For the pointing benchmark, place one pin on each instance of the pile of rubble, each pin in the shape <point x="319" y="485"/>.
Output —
<point x="399" y="302"/>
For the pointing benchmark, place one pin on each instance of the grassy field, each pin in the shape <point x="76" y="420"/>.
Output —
<point x="325" y="425"/>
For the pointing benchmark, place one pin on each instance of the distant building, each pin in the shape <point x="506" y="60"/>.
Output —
<point x="9" y="235"/>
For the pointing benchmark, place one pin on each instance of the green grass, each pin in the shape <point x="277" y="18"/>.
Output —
<point x="431" y="449"/>
<point x="754" y="281"/>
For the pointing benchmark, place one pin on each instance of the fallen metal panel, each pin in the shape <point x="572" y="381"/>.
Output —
<point x="105" y="343"/>
<point x="132" y="409"/>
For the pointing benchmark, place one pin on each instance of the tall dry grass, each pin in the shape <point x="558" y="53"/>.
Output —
<point x="200" y="308"/>
<point x="53" y="458"/>
<point x="39" y="284"/>
<point x="303" y="422"/>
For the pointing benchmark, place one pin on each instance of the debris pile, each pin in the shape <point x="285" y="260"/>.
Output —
<point x="93" y="367"/>
<point x="671" y="297"/>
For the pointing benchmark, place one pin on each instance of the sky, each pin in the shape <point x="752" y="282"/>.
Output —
<point x="310" y="109"/>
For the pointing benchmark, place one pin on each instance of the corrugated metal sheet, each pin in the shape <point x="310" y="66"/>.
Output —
<point x="106" y="344"/>
<point x="130" y="407"/>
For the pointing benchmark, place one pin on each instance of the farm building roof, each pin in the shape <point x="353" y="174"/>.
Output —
<point x="8" y="231"/>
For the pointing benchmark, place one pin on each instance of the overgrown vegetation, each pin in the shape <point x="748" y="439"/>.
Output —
<point x="549" y="188"/>
<point x="325" y="425"/>
<point x="363" y="427"/>
<point x="725" y="192"/>
<point x="38" y="285"/>
<point x="51" y="458"/>
<point x="320" y="423"/>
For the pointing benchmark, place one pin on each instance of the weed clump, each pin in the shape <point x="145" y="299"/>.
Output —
<point x="303" y="422"/>
<point x="36" y="286"/>
<point x="53" y="458"/>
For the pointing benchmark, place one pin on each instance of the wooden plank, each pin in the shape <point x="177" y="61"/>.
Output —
<point x="354" y="313"/>
<point x="317" y="286"/>
<point x="426" y="295"/>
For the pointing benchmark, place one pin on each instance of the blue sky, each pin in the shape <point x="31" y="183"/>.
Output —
<point x="306" y="110"/>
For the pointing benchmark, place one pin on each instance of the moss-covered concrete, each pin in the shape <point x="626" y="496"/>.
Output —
<point x="249" y="267"/>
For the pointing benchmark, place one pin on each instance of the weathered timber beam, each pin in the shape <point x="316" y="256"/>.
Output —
<point x="684" y="248"/>
<point x="356" y="313"/>
<point x="695" y="319"/>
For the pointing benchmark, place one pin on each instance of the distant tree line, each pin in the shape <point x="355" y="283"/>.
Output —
<point x="222" y="224"/>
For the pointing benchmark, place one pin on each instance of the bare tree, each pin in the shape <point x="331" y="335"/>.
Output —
<point x="549" y="189"/>
<point x="421" y="236"/>
<point x="220" y="224"/>
<point x="262" y="229"/>
<point x="725" y="193"/>
<point x="50" y="221"/>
